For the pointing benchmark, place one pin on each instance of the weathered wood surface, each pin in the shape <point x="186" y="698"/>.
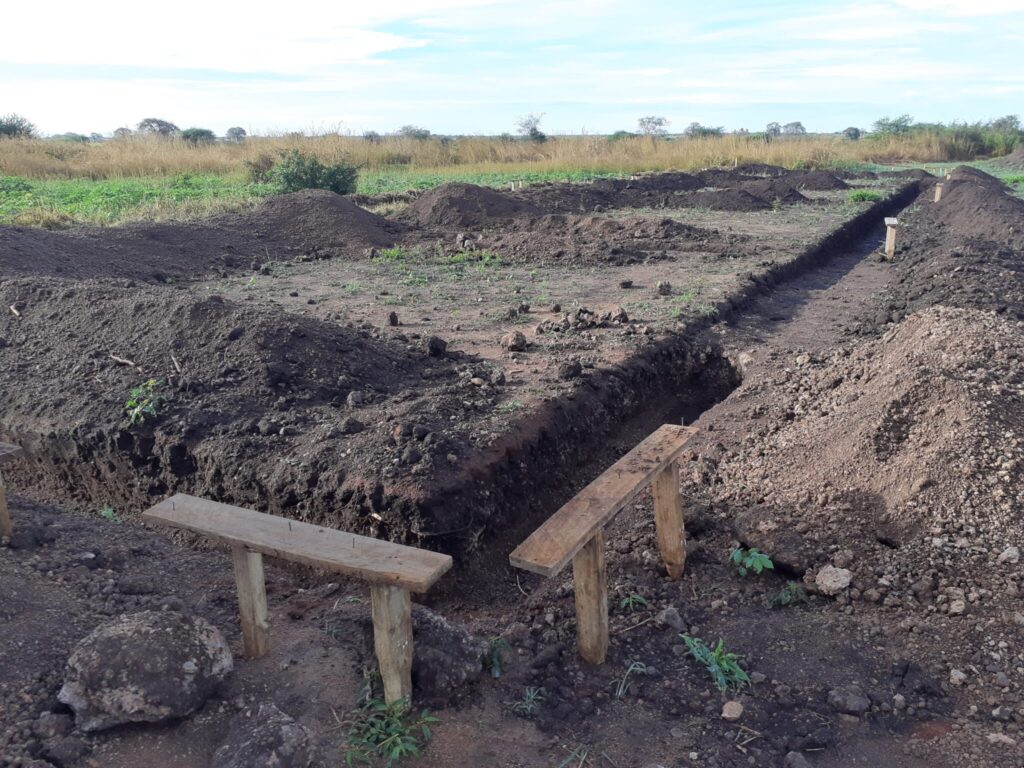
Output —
<point x="392" y="639"/>
<point x="252" y="601"/>
<point x="375" y="561"/>
<point x="549" y="548"/>
<point x="590" y="580"/>
<point x="668" y="520"/>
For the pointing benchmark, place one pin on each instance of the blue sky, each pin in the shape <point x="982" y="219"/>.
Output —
<point x="465" y="66"/>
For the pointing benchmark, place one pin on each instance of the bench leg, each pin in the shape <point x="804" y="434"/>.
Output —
<point x="392" y="639"/>
<point x="6" y="528"/>
<point x="668" y="520"/>
<point x="252" y="601"/>
<point x="588" y="573"/>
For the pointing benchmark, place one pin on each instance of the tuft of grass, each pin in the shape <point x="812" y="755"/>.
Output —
<point x="633" y="603"/>
<point x="791" y="594"/>
<point x="724" y="667"/>
<point x="752" y="559"/>
<point x="529" y="705"/>
<point x="865" y="196"/>
<point x="143" y="402"/>
<point x="620" y="685"/>
<point x="496" y="646"/>
<point x="387" y="732"/>
<point x="108" y="513"/>
<point x="510" y="406"/>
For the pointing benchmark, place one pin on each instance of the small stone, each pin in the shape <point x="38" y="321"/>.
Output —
<point x="732" y="711"/>
<point x="392" y="318"/>
<point x="831" y="580"/>
<point x="351" y="426"/>
<point x="1010" y="555"/>
<point x="436" y="346"/>
<point x="849" y="701"/>
<point x="624" y="284"/>
<point x="664" y="288"/>
<point x="957" y="677"/>
<point x="514" y="341"/>
<point x="570" y="370"/>
<point x="669" y="617"/>
<point x="957" y="607"/>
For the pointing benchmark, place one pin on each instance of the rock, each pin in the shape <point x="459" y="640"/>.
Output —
<point x="514" y="341"/>
<point x="436" y="346"/>
<point x="849" y="701"/>
<point x="356" y="398"/>
<point x="392" y="319"/>
<point x="669" y="617"/>
<point x="268" y="739"/>
<point x="732" y="711"/>
<point x="570" y="370"/>
<point x="796" y="760"/>
<point x="351" y="426"/>
<point x="762" y="527"/>
<point x="618" y="315"/>
<point x="663" y="287"/>
<point x="1001" y="738"/>
<point x="65" y="751"/>
<point x="1009" y="555"/>
<point x="52" y="724"/>
<point x="957" y="677"/>
<point x="28" y="536"/>
<point x="624" y="284"/>
<point x="445" y="658"/>
<point x="957" y="606"/>
<point x="831" y="580"/>
<point x="144" y="667"/>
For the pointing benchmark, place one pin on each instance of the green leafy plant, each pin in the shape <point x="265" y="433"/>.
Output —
<point x="530" y="703"/>
<point x="792" y="593"/>
<point x="143" y="402"/>
<point x="297" y="170"/>
<point x="388" y="732"/>
<point x="723" y="666"/>
<point x="633" y="603"/>
<point x="495" y="647"/>
<point x="620" y="685"/>
<point x="752" y="559"/>
<point x="865" y="196"/>
<point x="108" y="513"/>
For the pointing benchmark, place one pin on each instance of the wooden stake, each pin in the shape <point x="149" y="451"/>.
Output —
<point x="252" y="601"/>
<point x="6" y="527"/>
<point x="890" y="236"/>
<point x="668" y="520"/>
<point x="938" y="192"/>
<point x="392" y="639"/>
<point x="588" y="572"/>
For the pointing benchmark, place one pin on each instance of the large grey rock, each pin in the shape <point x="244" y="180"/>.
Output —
<point x="268" y="739"/>
<point x="144" y="667"/>
<point x="849" y="701"/>
<point x="445" y="658"/>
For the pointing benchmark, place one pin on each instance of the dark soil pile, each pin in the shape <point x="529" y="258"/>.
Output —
<point x="304" y="225"/>
<point x="465" y="205"/>
<point x="665" y="182"/>
<point x="760" y="169"/>
<point x="1013" y="161"/>
<point x="725" y="200"/>
<point x="781" y="190"/>
<point x="818" y="181"/>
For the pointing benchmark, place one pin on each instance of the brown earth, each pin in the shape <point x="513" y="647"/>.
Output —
<point x="1013" y="161"/>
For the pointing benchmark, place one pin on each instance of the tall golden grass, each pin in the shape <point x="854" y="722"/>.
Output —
<point x="141" y="156"/>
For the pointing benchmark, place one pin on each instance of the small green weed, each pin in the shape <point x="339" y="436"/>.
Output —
<point x="108" y="513"/>
<point x="143" y="402"/>
<point x="791" y="594"/>
<point x="865" y="196"/>
<point x="398" y="253"/>
<point x="509" y="407"/>
<point x="529" y="705"/>
<point x="633" y="603"/>
<point x="387" y="732"/>
<point x="620" y="685"/>
<point x="1014" y="180"/>
<point x="752" y="559"/>
<point x="724" y="667"/>
<point x="495" y="647"/>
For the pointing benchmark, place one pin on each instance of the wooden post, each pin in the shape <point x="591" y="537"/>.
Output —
<point x="588" y="573"/>
<point x="890" y="236"/>
<point x="252" y="601"/>
<point x="392" y="639"/>
<point x="6" y="528"/>
<point x="668" y="520"/>
<point x="938" y="192"/>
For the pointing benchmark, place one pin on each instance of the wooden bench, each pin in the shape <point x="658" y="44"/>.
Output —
<point x="575" y="532"/>
<point x="8" y="452"/>
<point x="392" y="570"/>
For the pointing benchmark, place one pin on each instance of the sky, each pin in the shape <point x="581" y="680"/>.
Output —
<point x="476" y="66"/>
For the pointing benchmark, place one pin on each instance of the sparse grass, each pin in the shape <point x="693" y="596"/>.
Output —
<point x="633" y="603"/>
<point x="864" y="196"/>
<point x="529" y="705"/>
<point x="791" y="594"/>
<point x="620" y="685"/>
<point x="387" y="732"/>
<point x="723" y="666"/>
<point x="509" y="406"/>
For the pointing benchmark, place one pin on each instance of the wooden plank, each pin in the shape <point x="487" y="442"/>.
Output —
<point x="591" y="583"/>
<point x="6" y="527"/>
<point x="392" y="639"/>
<point x="10" y="452"/>
<point x="252" y="601"/>
<point x="890" y="241"/>
<point x="549" y="548"/>
<point x="668" y="520"/>
<point x="372" y="560"/>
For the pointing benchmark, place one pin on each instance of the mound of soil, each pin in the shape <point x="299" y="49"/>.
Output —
<point x="466" y="205"/>
<point x="665" y="182"/>
<point x="724" y="200"/>
<point x="771" y="190"/>
<point x="1013" y="161"/>
<point x="818" y="181"/>
<point x="760" y="169"/>
<point x="304" y="225"/>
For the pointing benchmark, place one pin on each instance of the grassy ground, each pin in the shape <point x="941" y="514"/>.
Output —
<point x="55" y="203"/>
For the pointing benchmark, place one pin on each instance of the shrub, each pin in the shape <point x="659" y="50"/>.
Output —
<point x="723" y="666"/>
<point x="157" y="127"/>
<point x="852" y="133"/>
<point x="620" y="135"/>
<point x="198" y="136"/>
<point x="652" y="125"/>
<point x="413" y="132"/>
<point x="372" y="136"/>
<point x="297" y="170"/>
<point x="259" y="168"/>
<point x="143" y="402"/>
<point x="752" y="559"/>
<point x="14" y="126"/>
<point x="235" y="133"/>
<point x="865" y="196"/>
<point x="387" y="732"/>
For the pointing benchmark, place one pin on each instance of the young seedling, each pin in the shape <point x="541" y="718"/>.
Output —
<point x="790" y="594"/>
<point x="724" y="667"/>
<point x="108" y="513"/>
<point x="495" y="647"/>
<point x="388" y="732"/>
<point x="752" y="559"/>
<point x="530" y="703"/>
<point x="143" y="402"/>
<point x="633" y="603"/>
<point x="620" y="685"/>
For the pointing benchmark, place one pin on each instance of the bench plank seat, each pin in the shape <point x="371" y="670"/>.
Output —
<point x="550" y="548"/>
<point x="373" y="560"/>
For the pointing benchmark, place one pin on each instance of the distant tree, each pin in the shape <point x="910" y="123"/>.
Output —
<point x="70" y="136"/>
<point x="157" y="127"/>
<point x="795" y="128"/>
<point x="96" y="137"/>
<point x="620" y="135"/>
<point x="889" y="126"/>
<point x="698" y="131"/>
<point x="198" y="136"/>
<point x="14" y="126"/>
<point x="372" y="136"/>
<point x="1006" y="124"/>
<point x="742" y="132"/>
<point x="852" y="133"/>
<point x="772" y="129"/>
<point x="414" y="132"/>
<point x="123" y="133"/>
<point x="653" y="125"/>
<point x="528" y="127"/>
<point x="236" y="134"/>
